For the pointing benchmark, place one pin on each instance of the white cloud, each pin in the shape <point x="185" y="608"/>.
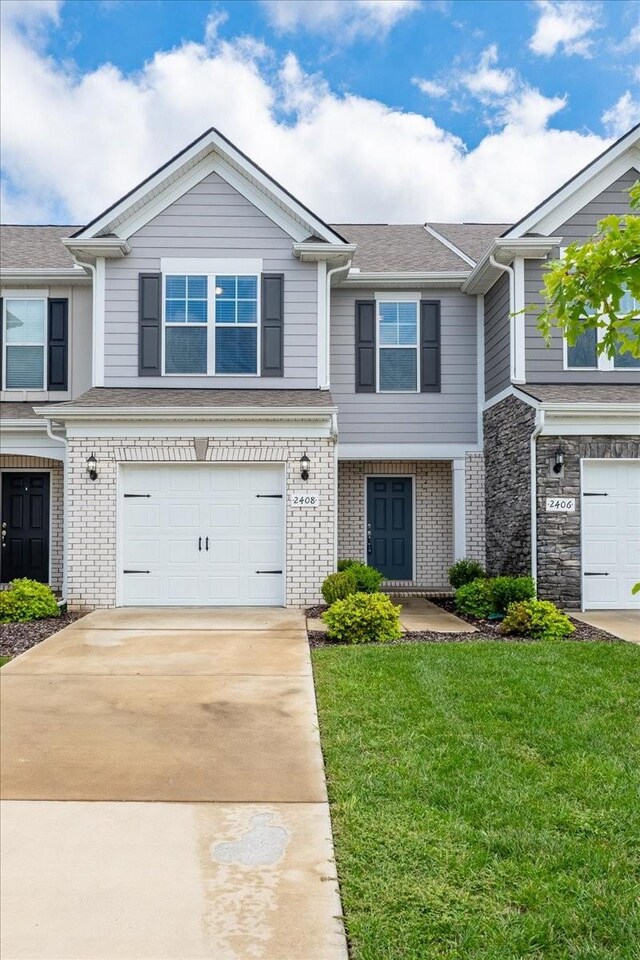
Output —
<point x="432" y="88"/>
<point x="92" y="136"/>
<point x="486" y="78"/>
<point x="565" y="25"/>
<point x="623" y="115"/>
<point x="341" y="19"/>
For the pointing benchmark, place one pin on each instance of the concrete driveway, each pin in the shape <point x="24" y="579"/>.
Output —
<point x="209" y="716"/>
<point x="624" y="624"/>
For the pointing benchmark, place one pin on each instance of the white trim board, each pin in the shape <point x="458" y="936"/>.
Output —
<point x="405" y="451"/>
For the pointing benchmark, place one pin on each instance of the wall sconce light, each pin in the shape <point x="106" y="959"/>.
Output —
<point x="92" y="467"/>
<point x="304" y="466"/>
<point x="558" y="460"/>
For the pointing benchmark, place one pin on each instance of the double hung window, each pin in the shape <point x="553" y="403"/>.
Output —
<point x="25" y="337"/>
<point x="583" y="355"/>
<point x="398" y="360"/>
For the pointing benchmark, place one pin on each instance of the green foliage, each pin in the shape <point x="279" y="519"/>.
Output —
<point x="368" y="579"/>
<point x="475" y="599"/>
<point x="635" y="588"/>
<point x="465" y="571"/>
<point x="363" y="618"/>
<point x="538" y="619"/>
<point x="337" y="586"/>
<point x="508" y="590"/>
<point x="584" y="290"/>
<point x="27" y="600"/>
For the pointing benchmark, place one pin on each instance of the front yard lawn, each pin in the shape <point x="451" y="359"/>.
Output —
<point x="485" y="798"/>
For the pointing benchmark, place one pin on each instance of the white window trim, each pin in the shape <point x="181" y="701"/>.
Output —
<point x="24" y="295"/>
<point x="210" y="325"/>
<point x="397" y="296"/>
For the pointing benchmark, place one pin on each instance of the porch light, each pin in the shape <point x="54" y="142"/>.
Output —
<point x="92" y="467"/>
<point x="558" y="460"/>
<point x="304" y="466"/>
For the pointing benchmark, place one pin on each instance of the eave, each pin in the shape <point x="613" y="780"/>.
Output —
<point x="112" y="248"/>
<point x="29" y="276"/>
<point x="404" y="280"/>
<point x="63" y="415"/>
<point x="314" y="252"/>
<point x="504" y="251"/>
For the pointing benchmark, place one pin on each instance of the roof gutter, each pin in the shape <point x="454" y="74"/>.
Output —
<point x="358" y="279"/>
<point x="501" y="252"/>
<point x="42" y="275"/>
<point x="184" y="413"/>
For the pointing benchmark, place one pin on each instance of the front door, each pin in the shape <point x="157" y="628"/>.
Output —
<point x="25" y="526"/>
<point x="390" y="526"/>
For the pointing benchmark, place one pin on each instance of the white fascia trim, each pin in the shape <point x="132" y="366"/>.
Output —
<point x="15" y="423"/>
<point x="459" y="509"/>
<point x="595" y="178"/>
<point x="207" y="265"/>
<point x="112" y="247"/>
<point x="185" y="413"/>
<point x="98" y="332"/>
<point x="70" y="275"/>
<point x="322" y="324"/>
<point x="403" y="280"/>
<point x="510" y="392"/>
<point x="480" y="363"/>
<point x="573" y="424"/>
<point x="450" y="246"/>
<point x="518" y="374"/>
<point x="484" y="275"/>
<point x="313" y="252"/>
<point x="405" y="451"/>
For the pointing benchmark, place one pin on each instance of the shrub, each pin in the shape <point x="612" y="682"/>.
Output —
<point x="465" y="571"/>
<point x="475" y="599"/>
<point x="368" y="579"/>
<point x="508" y="590"/>
<point x="27" y="600"/>
<point x="539" y="619"/>
<point x="337" y="586"/>
<point x="363" y="618"/>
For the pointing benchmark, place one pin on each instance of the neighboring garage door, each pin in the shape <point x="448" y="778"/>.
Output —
<point x="610" y="533"/>
<point x="199" y="535"/>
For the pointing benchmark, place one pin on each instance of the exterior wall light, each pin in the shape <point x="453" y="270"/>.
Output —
<point x="304" y="466"/>
<point x="92" y="467"/>
<point x="558" y="460"/>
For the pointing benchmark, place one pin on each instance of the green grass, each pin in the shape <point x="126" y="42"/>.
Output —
<point x="4" y="660"/>
<point x="485" y="798"/>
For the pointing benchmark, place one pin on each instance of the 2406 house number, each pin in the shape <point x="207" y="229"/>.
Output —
<point x="304" y="498"/>
<point x="561" y="504"/>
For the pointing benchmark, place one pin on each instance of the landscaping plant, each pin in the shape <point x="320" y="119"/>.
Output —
<point x="538" y="619"/>
<point x="368" y="579"/>
<point x="27" y="600"/>
<point x="364" y="618"/>
<point x="465" y="571"/>
<point x="475" y="599"/>
<point x="508" y="590"/>
<point x="337" y="586"/>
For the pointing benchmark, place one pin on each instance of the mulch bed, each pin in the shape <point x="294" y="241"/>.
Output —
<point x="15" y="638"/>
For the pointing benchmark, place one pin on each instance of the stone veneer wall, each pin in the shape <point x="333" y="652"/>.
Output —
<point x="434" y="509"/>
<point x="559" y="535"/>
<point x="92" y="561"/>
<point x="508" y="426"/>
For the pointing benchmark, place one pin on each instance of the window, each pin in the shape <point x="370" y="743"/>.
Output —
<point x="211" y="324"/>
<point x="583" y="355"/>
<point x="25" y="339"/>
<point x="397" y="346"/>
<point x="626" y="361"/>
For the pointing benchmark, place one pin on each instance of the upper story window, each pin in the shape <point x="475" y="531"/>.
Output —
<point x="25" y="332"/>
<point x="583" y="355"/>
<point x="397" y="346"/>
<point x="211" y="324"/>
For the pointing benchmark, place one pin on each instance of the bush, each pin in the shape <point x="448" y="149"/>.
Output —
<point x="368" y="579"/>
<point x="508" y="590"/>
<point x="475" y="599"/>
<point x="465" y="571"/>
<point x="363" y="618"/>
<point x="27" y="600"/>
<point x="538" y="619"/>
<point x="337" y="586"/>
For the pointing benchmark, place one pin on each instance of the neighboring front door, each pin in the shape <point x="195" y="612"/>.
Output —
<point x="25" y="526"/>
<point x="390" y="526"/>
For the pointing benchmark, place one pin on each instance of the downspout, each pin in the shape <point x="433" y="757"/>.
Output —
<point x="334" y="437"/>
<point x="512" y="305"/>
<point x="539" y="424"/>
<point x="65" y="501"/>
<point x="327" y="346"/>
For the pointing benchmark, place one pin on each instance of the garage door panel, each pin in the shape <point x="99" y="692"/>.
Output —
<point x="142" y="589"/>
<point x="183" y="589"/>
<point x="224" y="589"/>
<point x="261" y="588"/>
<point x="601" y="551"/>
<point x="141" y="551"/>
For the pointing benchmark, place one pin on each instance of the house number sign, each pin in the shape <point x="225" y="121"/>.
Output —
<point x="304" y="498"/>
<point x="561" y="504"/>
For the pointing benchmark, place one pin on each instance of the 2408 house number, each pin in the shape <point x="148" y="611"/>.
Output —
<point x="304" y="498"/>
<point x="561" y="504"/>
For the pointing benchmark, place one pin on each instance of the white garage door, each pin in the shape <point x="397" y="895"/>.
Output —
<point x="610" y="534"/>
<point x="199" y="535"/>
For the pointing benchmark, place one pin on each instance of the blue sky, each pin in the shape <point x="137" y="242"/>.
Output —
<point x="367" y="109"/>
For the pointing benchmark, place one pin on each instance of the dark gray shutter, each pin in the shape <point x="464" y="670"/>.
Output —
<point x="58" y="344"/>
<point x="365" y="346"/>
<point x="429" y="346"/>
<point x="149" y="324"/>
<point x="272" y="328"/>
<point x="1" y="340"/>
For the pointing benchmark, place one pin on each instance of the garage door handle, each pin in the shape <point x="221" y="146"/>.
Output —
<point x="595" y="494"/>
<point x="268" y="571"/>
<point x="199" y="543"/>
<point x="269" y="496"/>
<point x="597" y="574"/>
<point x="206" y="543"/>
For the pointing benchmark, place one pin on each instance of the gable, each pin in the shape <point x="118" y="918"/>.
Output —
<point x="612" y="200"/>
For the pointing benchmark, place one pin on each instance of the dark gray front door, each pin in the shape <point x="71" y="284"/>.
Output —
<point x="390" y="526"/>
<point x="25" y="527"/>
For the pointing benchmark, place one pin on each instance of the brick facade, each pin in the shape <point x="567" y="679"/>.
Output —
<point x="17" y="463"/>
<point x="92" y="572"/>
<point x="474" y="507"/>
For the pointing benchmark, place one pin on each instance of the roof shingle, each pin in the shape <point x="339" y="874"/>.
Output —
<point x="34" y="246"/>
<point x="136" y="397"/>
<point x="583" y="392"/>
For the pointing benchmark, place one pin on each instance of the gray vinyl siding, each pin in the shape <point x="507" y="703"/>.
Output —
<point x="497" y="355"/>
<point x="446" y="417"/>
<point x="545" y="364"/>
<point x="212" y="220"/>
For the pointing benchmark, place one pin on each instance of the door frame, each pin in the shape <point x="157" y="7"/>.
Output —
<point x="120" y="464"/>
<point x="48" y="470"/>
<point x="414" y="499"/>
<point x="584" y="460"/>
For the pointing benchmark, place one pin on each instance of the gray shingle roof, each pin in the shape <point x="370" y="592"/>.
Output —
<point x="34" y="246"/>
<point x="10" y="410"/>
<point x="104" y="397"/>
<point x="472" y="238"/>
<point x="583" y="392"/>
<point x="401" y="247"/>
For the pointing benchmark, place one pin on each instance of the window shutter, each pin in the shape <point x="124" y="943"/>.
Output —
<point x="365" y="346"/>
<point x="1" y="340"/>
<point x="149" y="324"/>
<point x="57" y="344"/>
<point x="272" y="325"/>
<point x="429" y="346"/>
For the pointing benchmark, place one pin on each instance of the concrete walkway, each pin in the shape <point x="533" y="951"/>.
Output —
<point x="620" y="623"/>
<point x="418" y="615"/>
<point x="208" y="714"/>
